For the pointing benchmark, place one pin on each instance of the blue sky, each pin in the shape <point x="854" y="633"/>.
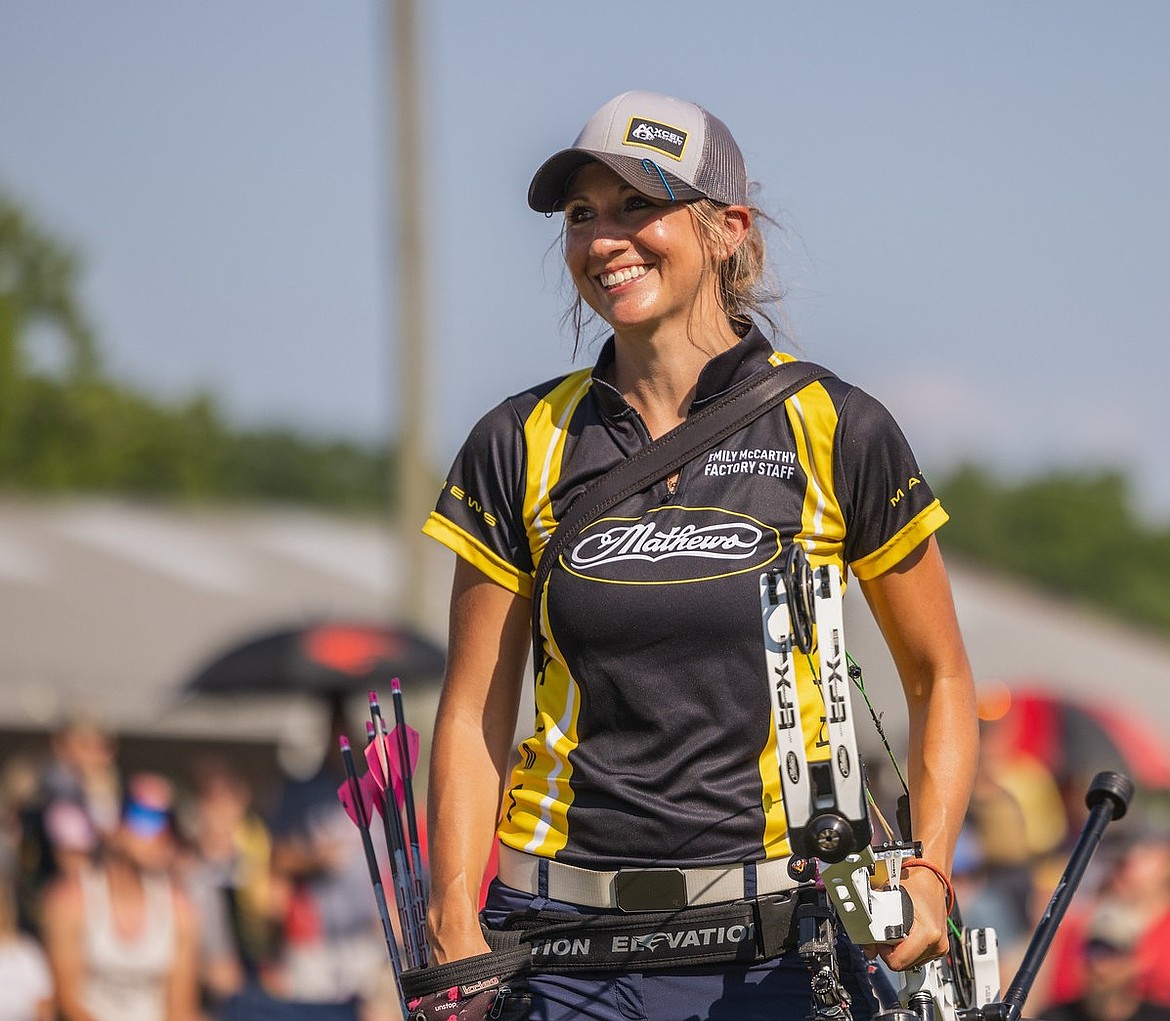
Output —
<point x="973" y="200"/>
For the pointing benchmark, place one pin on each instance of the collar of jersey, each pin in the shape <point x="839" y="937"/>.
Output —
<point x="722" y="372"/>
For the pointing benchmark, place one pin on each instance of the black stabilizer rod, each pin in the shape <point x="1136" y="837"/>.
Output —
<point x="1107" y="800"/>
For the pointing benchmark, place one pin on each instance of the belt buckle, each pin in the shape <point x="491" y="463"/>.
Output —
<point x="650" y="889"/>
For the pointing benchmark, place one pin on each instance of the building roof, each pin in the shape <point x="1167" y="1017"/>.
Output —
<point x="108" y="607"/>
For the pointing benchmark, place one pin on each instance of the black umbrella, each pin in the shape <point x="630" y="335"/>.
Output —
<point x="329" y="658"/>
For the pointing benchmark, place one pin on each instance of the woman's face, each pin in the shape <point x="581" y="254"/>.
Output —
<point x="637" y="261"/>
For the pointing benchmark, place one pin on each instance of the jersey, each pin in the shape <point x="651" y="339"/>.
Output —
<point x="652" y="742"/>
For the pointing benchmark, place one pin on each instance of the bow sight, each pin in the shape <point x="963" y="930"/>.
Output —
<point x="830" y="834"/>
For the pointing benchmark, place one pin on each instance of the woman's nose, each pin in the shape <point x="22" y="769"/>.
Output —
<point x="607" y="238"/>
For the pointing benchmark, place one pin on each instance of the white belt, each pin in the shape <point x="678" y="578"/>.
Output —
<point x="642" y="889"/>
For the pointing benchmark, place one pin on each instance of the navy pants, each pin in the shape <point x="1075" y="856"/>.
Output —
<point x="775" y="990"/>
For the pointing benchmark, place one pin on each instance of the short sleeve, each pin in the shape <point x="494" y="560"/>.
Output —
<point x="889" y="506"/>
<point x="479" y="514"/>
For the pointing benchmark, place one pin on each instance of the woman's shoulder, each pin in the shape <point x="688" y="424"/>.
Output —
<point x="547" y="389"/>
<point x="64" y="898"/>
<point x="839" y="390"/>
<point x="555" y="393"/>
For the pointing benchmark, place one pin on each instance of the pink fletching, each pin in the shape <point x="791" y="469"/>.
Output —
<point x="345" y="796"/>
<point x="371" y="798"/>
<point x="371" y="793"/>
<point x="392" y="760"/>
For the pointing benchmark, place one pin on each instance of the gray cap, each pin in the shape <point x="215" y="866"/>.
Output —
<point x="665" y="147"/>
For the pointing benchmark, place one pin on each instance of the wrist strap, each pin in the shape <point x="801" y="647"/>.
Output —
<point x="922" y="863"/>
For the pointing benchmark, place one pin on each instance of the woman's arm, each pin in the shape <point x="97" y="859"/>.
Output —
<point x="63" y="935"/>
<point x="182" y="988"/>
<point x="913" y="607"/>
<point x="474" y="727"/>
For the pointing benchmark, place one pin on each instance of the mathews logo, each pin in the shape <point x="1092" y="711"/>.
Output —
<point x="652" y="135"/>
<point x="670" y="545"/>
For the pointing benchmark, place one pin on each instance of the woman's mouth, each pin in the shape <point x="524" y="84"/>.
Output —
<point x="622" y="276"/>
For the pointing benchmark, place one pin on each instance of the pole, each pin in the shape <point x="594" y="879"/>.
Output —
<point x="408" y="259"/>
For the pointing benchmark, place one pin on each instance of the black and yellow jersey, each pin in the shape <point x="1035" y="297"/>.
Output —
<point x="652" y="741"/>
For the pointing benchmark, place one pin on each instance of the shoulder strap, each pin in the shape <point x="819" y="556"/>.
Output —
<point x="665" y="455"/>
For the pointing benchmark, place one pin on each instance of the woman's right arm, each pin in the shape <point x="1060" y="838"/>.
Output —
<point x="475" y="724"/>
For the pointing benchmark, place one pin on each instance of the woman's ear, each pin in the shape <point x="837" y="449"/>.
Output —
<point x="735" y="222"/>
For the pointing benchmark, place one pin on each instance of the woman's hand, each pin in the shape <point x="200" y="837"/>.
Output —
<point x="927" y="938"/>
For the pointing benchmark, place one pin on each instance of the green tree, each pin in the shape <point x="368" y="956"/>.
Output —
<point x="72" y="429"/>
<point x="1073" y="534"/>
<point x="38" y="288"/>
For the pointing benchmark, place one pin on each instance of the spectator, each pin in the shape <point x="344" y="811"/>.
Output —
<point x="81" y="774"/>
<point x="24" y="973"/>
<point x="333" y="947"/>
<point x="83" y="770"/>
<point x="121" y="936"/>
<point x="228" y="879"/>
<point x="1141" y="883"/>
<point x="19" y="780"/>
<point x="1111" y="988"/>
<point x="1017" y="814"/>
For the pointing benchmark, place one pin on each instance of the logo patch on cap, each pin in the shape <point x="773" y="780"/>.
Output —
<point x="660" y="137"/>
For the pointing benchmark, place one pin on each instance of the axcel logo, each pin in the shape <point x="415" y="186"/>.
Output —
<point x="653" y="135"/>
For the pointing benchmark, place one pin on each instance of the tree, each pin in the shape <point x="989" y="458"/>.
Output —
<point x="72" y="429"/>
<point x="1074" y="534"/>
<point x="38" y="288"/>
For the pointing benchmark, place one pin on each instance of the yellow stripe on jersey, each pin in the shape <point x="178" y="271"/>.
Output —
<point x="545" y="432"/>
<point x="814" y="424"/>
<point x="540" y="791"/>
<point x="476" y="553"/>
<point x="775" y="823"/>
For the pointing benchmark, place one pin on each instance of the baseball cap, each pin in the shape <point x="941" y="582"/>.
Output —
<point x="667" y="148"/>
<point x="1113" y="928"/>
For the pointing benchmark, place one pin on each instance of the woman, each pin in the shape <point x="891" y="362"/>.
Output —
<point x="651" y="744"/>
<point x="121" y="937"/>
<point x="24" y="972"/>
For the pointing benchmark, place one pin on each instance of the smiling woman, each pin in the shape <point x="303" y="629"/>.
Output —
<point x="649" y="780"/>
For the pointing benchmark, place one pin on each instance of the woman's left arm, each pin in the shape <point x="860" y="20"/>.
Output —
<point x="912" y="605"/>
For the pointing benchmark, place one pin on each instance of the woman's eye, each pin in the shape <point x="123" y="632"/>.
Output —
<point x="577" y="214"/>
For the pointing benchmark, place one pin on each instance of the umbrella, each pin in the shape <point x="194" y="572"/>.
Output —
<point x="1077" y="738"/>
<point x="328" y="658"/>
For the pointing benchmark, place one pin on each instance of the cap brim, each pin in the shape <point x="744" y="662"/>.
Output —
<point x="547" y="192"/>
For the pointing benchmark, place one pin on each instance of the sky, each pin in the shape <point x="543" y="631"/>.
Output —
<point x="971" y="201"/>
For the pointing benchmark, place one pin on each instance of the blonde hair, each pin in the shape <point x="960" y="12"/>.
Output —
<point x="743" y="285"/>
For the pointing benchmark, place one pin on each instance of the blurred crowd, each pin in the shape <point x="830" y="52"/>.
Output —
<point x="142" y="897"/>
<point x="1106" y="961"/>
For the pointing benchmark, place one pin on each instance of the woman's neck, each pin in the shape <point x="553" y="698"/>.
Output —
<point x="657" y="371"/>
<point x="123" y="875"/>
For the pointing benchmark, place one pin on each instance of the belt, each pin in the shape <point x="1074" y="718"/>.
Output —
<point x="656" y="889"/>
